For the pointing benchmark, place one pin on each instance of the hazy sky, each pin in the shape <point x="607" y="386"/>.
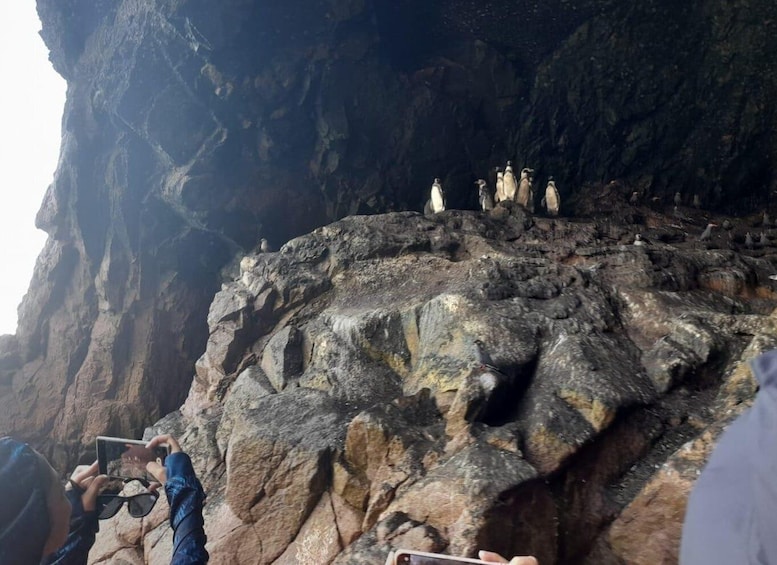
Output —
<point x="31" y="101"/>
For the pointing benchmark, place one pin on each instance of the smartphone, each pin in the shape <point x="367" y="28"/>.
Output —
<point x="409" y="557"/>
<point x="126" y="459"/>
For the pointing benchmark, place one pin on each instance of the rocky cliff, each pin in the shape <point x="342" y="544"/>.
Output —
<point x="463" y="381"/>
<point x="192" y="130"/>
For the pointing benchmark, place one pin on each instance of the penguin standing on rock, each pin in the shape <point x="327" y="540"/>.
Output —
<point x="525" y="189"/>
<point x="500" y="185"/>
<point x="484" y="196"/>
<point x="696" y="201"/>
<point x="510" y="187"/>
<point x="437" y="197"/>
<point x="749" y="243"/>
<point x="264" y="246"/>
<point x="678" y="199"/>
<point x="551" y="201"/>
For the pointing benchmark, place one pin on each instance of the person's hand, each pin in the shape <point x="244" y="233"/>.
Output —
<point x="491" y="557"/>
<point x="154" y="467"/>
<point x="86" y="480"/>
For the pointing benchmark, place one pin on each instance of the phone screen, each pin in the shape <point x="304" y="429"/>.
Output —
<point x="127" y="458"/>
<point x="404" y="557"/>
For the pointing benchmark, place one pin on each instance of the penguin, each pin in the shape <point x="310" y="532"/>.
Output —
<point x="634" y="198"/>
<point x="638" y="241"/>
<point x="706" y="235"/>
<point x="551" y="200"/>
<point x="679" y="215"/>
<point x="509" y="185"/>
<point x="766" y="221"/>
<point x="428" y="207"/>
<point x="437" y="198"/>
<point x="525" y="189"/>
<point x="264" y="246"/>
<point x="749" y="243"/>
<point x="500" y="186"/>
<point x="678" y="199"/>
<point x="696" y="201"/>
<point x="763" y="241"/>
<point x="484" y="196"/>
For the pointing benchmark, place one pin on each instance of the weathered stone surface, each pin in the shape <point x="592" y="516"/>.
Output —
<point x="466" y="381"/>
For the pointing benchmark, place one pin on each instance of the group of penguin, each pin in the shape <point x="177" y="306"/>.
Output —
<point x="508" y="188"/>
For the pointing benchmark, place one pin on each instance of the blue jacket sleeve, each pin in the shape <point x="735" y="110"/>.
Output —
<point x="185" y="496"/>
<point x="80" y="539"/>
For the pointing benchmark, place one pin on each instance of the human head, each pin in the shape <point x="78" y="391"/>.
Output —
<point x="34" y="513"/>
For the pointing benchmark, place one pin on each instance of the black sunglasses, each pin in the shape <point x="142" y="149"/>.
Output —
<point x="138" y="505"/>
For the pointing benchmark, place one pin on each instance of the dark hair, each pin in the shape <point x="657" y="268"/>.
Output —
<point x="24" y="514"/>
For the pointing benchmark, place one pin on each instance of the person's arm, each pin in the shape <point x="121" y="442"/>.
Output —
<point x="186" y="497"/>
<point x="84" y="484"/>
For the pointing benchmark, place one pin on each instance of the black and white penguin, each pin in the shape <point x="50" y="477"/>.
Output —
<point x="749" y="243"/>
<point x="634" y="198"/>
<point x="437" y="198"/>
<point x="551" y="200"/>
<point x="763" y="241"/>
<point x="766" y="221"/>
<point x="510" y="186"/>
<point x="525" y="195"/>
<point x="696" y="201"/>
<point x="500" y="186"/>
<point x="638" y="241"/>
<point x="484" y="196"/>
<point x="264" y="246"/>
<point x="678" y="199"/>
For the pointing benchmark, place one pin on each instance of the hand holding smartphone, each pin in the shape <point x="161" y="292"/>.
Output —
<point x="126" y="459"/>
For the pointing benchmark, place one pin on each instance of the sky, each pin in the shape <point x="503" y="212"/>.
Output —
<point x="32" y="97"/>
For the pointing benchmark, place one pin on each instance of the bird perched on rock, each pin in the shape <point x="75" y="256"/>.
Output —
<point x="706" y="235"/>
<point x="634" y="198"/>
<point x="551" y="200"/>
<point x="696" y="201"/>
<point x="679" y="215"/>
<point x="500" y="185"/>
<point x="638" y="241"/>
<point x="510" y="186"/>
<point x="763" y="241"/>
<point x="264" y="246"/>
<point x="525" y="188"/>
<point x="749" y="243"/>
<point x="678" y="199"/>
<point x="437" y="198"/>
<point x="484" y="196"/>
<point x="766" y="221"/>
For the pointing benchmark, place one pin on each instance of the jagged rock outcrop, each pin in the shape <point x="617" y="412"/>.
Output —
<point x="466" y="380"/>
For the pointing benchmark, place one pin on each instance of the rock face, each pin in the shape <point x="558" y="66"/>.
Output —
<point x="467" y="380"/>
<point x="345" y="382"/>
